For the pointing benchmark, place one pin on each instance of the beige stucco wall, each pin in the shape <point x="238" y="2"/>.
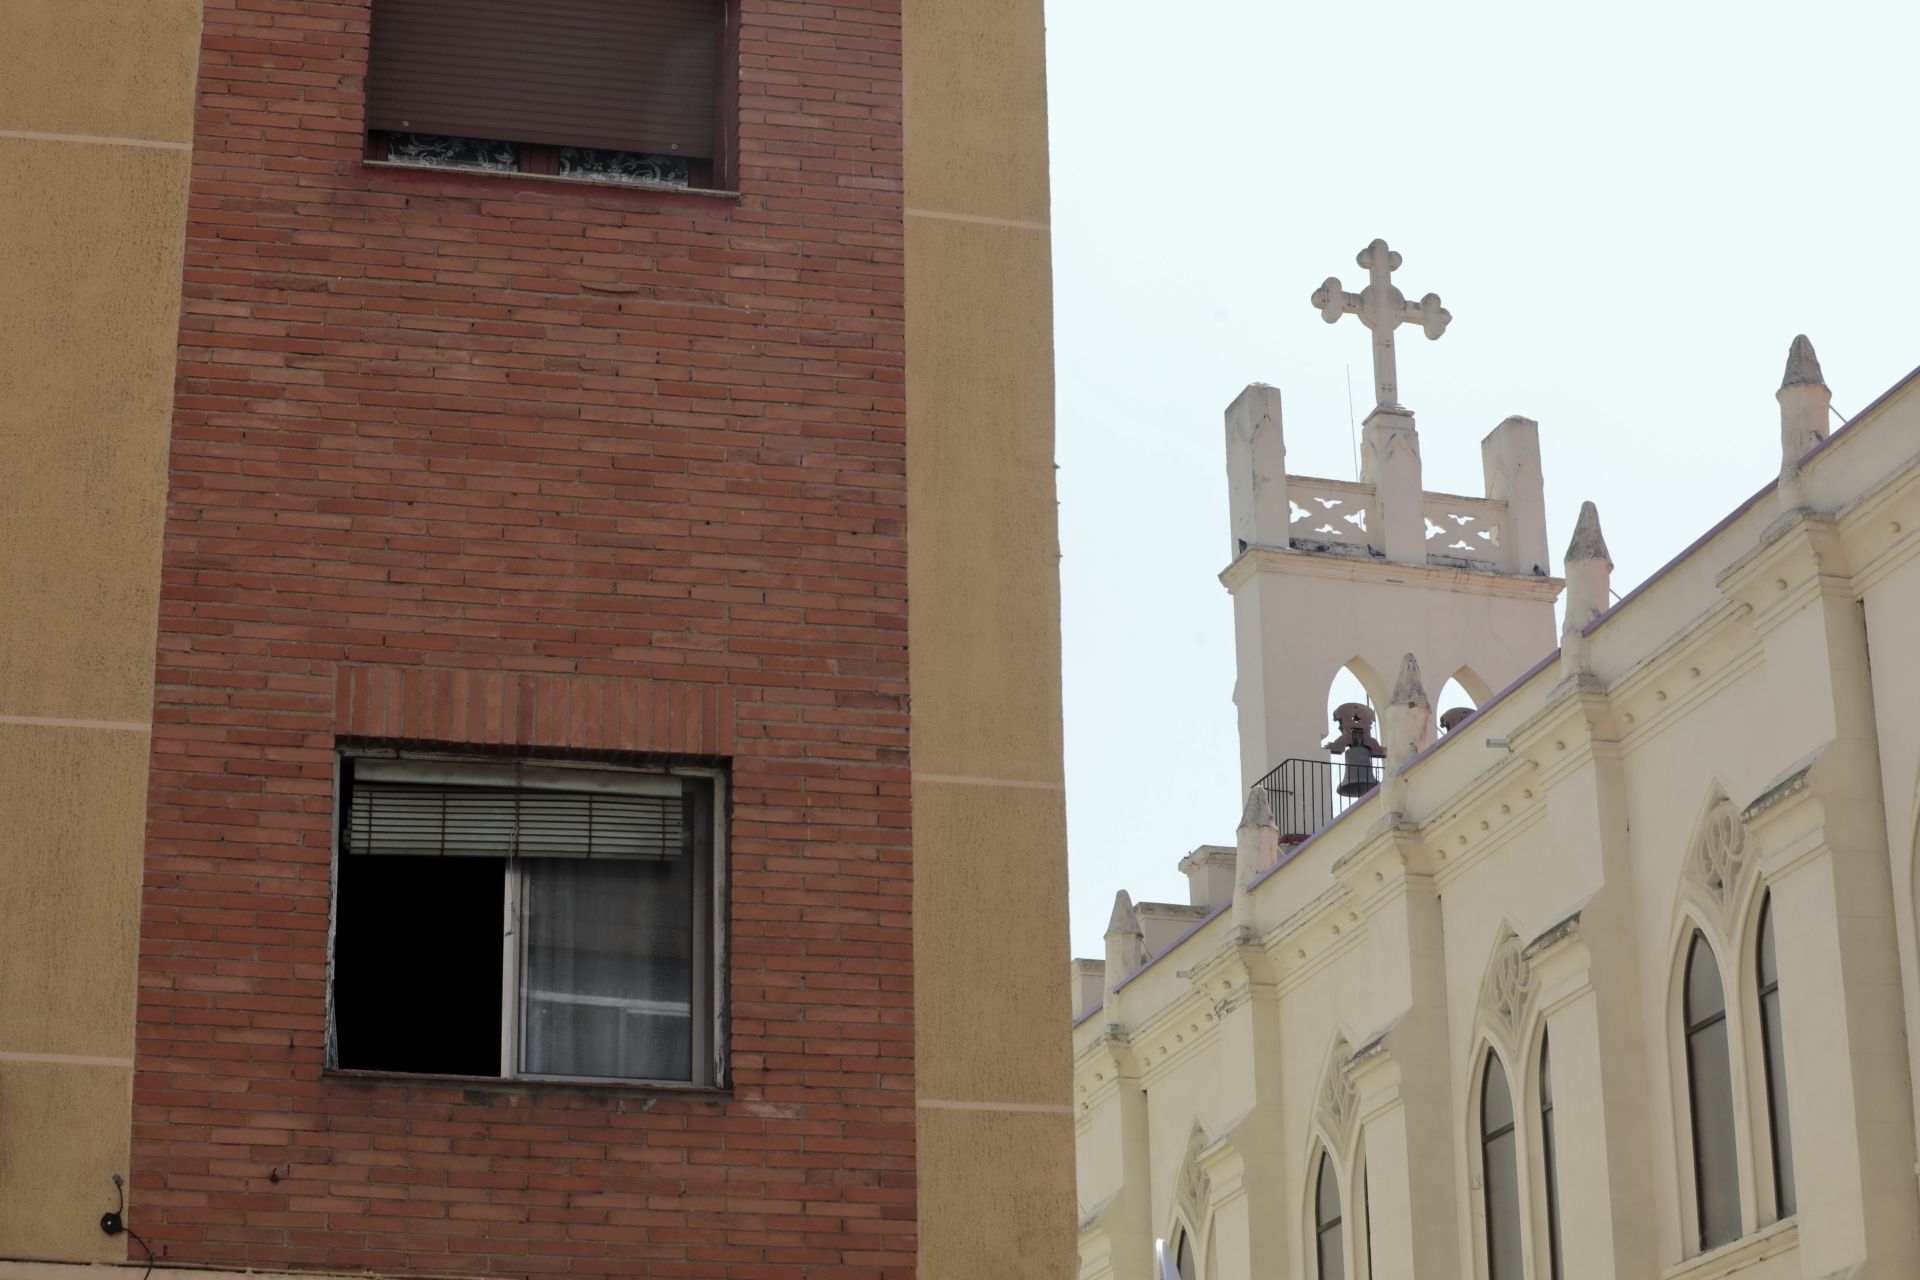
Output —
<point x="989" y="834"/>
<point x="96" y="117"/>
<point x="1770" y="670"/>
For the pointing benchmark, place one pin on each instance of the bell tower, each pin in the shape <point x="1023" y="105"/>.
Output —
<point x="1329" y="574"/>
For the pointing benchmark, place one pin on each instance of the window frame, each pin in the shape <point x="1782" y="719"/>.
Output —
<point x="1691" y="1028"/>
<point x="1775" y="1111"/>
<point x="1549" y="1144"/>
<point x="1512" y="1132"/>
<point x="710" y="985"/>
<point x="1327" y="1172"/>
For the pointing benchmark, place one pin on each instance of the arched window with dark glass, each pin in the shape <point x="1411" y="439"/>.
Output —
<point x="1549" y="1152"/>
<point x="1499" y="1172"/>
<point x="1773" y="1041"/>
<point x="1183" y="1258"/>
<point x="1716" y="1171"/>
<point x="1329" y="1249"/>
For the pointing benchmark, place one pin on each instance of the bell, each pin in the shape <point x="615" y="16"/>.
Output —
<point x="1356" y="778"/>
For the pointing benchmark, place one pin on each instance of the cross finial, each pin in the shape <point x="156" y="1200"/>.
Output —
<point x="1382" y="308"/>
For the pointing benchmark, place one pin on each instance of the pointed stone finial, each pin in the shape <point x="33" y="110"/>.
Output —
<point x="1126" y="948"/>
<point x="1258" y="811"/>
<point x="1588" y="543"/>
<point x="1803" y="366"/>
<point x="1409" y="690"/>
<point x="1408" y="723"/>
<point x="1805" y="403"/>
<point x="1256" y="849"/>
<point x="1589" y="574"/>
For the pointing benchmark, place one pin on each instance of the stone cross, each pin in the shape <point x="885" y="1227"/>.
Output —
<point x="1382" y="308"/>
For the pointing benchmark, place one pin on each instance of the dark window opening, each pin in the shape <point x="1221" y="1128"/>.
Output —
<point x="1184" y="1259"/>
<point x="629" y="91"/>
<point x="417" y="965"/>
<point x="1716" y="1172"/>
<point x="526" y="920"/>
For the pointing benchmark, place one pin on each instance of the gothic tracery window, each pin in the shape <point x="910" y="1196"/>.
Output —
<point x="1773" y="1047"/>
<point x="1329" y="1249"/>
<point x="1499" y="1172"/>
<point x="1716" y="1173"/>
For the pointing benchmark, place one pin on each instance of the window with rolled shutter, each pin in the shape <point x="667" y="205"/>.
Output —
<point x="527" y="920"/>
<point x="580" y="82"/>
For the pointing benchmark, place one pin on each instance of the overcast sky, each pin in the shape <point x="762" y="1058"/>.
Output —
<point x="1630" y="210"/>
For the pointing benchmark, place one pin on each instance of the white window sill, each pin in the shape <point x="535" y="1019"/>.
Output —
<point x="1769" y="1241"/>
<point x="514" y="175"/>
<point x="361" y="1075"/>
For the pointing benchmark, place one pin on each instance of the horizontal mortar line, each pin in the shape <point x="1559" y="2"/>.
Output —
<point x="981" y="218"/>
<point x="28" y="135"/>
<point x="64" y="1059"/>
<point x="56" y="722"/>
<point x="968" y="780"/>
<point x="1037" y="1108"/>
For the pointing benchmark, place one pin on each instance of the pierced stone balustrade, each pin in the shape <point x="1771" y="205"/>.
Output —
<point x="1464" y="528"/>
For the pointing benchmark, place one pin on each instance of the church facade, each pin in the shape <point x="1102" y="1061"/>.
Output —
<point x="1616" y="976"/>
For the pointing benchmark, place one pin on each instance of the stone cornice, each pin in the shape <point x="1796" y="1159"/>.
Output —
<point x="1364" y="568"/>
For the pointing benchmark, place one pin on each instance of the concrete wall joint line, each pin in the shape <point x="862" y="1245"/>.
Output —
<point x="1030" y="1108"/>
<point x="65" y="1059"/>
<point x="28" y="135"/>
<point x="1018" y="224"/>
<point x="968" y="780"/>
<point x="57" y="722"/>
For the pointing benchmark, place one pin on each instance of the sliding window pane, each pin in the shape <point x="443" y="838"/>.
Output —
<point x="608" y="987"/>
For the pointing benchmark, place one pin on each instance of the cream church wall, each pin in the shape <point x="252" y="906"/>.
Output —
<point x="1767" y="673"/>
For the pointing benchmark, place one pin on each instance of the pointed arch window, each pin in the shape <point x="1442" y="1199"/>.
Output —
<point x="1329" y="1248"/>
<point x="1499" y="1172"/>
<point x="1716" y="1173"/>
<point x="1773" y="1045"/>
<point x="1550" y="1154"/>
<point x="1183" y="1258"/>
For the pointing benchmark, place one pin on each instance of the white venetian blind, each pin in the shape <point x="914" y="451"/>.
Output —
<point x="426" y="809"/>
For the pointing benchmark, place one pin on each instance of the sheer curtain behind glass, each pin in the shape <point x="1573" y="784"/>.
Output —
<point x="608" y="989"/>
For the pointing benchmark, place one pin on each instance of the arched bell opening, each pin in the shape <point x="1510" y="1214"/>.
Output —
<point x="1460" y="697"/>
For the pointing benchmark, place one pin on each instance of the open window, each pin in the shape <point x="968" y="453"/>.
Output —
<point x="624" y="91"/>
<point x="528" y="920"/>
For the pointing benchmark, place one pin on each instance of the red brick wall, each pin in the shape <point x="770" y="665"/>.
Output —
<point x="518" y="463"/>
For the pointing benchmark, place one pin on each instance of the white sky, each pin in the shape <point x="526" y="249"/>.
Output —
<point x="1630" y="210"/>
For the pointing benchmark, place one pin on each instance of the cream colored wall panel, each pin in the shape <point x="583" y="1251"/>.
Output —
<point x="89" y="305"/>
<point x="113" y="68"/>
<point x="996" y="1195"/>
<point x="72" y="831"/>
<point x="66" y="1132"/>
<point x="990" y="854"/>
<point x="983" y="545"/>
<point x="976" y="109"/>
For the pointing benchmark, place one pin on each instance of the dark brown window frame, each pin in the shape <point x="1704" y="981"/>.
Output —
<point x="718" y="175"/>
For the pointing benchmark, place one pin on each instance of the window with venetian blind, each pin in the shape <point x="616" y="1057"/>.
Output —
<point x="527" y="920"/>
<point x="614" y="90"/>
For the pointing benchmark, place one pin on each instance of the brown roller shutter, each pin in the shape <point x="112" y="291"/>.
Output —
<point x="623" y="75"/>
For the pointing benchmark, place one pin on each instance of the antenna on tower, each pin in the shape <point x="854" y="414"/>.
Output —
<point x="1353" y="437"/>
